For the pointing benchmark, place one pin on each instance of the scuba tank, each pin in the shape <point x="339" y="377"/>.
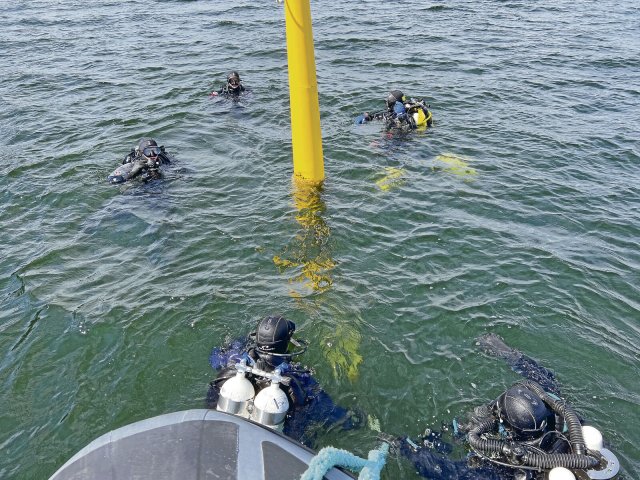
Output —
<point x="237" y="393"/>
<point x="420" y="114"/>
<point x="271" y="405"/>
<point x="420" y="118"/>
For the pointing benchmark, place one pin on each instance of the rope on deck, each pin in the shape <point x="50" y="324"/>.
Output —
<point x="330" y="457"/>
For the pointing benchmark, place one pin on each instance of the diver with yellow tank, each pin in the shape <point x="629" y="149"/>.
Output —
<point x="402" y="112"/>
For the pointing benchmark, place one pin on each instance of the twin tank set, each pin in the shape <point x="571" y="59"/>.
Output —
<point x="238" y="396"/>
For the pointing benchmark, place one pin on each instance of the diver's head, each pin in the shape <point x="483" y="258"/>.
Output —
<point x="523" y="412"/>
<point x="272" y="339"/>
<point x="149" y="149"/>
<point x="233" y="82"/>
<point x="393" y="97"/>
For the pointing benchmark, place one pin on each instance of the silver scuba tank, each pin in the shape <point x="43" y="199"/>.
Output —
<point x="236" y="394"/>
<point x="270" y="405"/>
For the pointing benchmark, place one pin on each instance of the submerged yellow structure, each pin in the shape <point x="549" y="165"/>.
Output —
<point x="309" y="254"/>
<point x="306" y="136"/>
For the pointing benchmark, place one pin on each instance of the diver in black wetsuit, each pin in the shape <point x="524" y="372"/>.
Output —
<point x="144" y="161"/>
<point x="270" y="350"/>
<point x="526" y="433"/>
<point x="402" y="112"/>
<point x="233" y="87"/>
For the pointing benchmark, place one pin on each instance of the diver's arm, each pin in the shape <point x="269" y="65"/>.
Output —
<point x="164" y="157"/>
<point x="295" y="391"/>
<point x="367" y="117"/>
<point x="215" y="93"/>
<point x="325" y="410"/>
<point x="520" y="363"/>
<point x="430" y="464"/>
<point x="364" y="118"/>
<point x="220" y="357"/>
<point x="225" y="91"/>
<point x="311" y="405"/>
<point x="139" y="167"/>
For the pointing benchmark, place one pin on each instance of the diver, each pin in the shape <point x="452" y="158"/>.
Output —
<point x="233" y="87"/>
<point x="259" y="380"/>
<point x="528" y="432"/>
<point x="143" y="161"/>
<point x="402" y="112"/>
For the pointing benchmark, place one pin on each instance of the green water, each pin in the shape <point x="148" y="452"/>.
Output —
<point x="517" y="214"/>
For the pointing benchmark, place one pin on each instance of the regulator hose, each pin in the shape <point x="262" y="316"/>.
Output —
<point x="519" y="454"/>
<point x="486" y="445"/>
<point x="566" y="460"/>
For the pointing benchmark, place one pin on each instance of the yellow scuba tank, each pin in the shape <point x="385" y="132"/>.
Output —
<point x="420" y="118"/>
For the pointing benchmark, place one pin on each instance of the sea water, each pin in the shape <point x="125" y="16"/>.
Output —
<point x="518" y="213"/>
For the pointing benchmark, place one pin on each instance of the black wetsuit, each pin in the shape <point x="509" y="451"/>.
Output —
<point x="429" y="453"/>
<point x="227" y="91"/>
<point x="389" y="117"/>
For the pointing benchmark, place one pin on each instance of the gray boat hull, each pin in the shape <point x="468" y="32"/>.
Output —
<point x="193" y="444"/>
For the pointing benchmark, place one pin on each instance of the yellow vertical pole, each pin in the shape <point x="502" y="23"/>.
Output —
<point x="306" y="136"/>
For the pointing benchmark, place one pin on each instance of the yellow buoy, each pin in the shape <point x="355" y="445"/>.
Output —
<point x="306" y="136"/>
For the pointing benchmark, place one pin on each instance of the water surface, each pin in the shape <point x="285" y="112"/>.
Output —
<point x="517" y="214"/>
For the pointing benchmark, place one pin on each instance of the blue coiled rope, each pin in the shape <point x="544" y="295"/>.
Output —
<point x="330" y="457"/>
